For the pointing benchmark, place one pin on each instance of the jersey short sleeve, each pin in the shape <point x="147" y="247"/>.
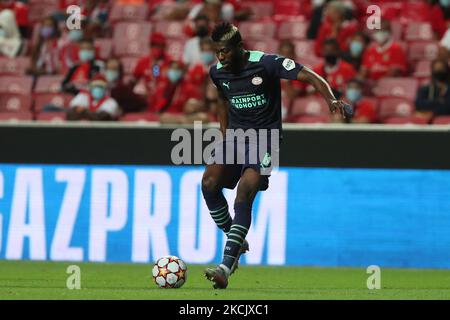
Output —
<point x="281" y="67"/>
<point x="212" y="75"/>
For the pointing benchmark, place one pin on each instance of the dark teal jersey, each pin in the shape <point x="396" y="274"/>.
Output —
<point x="254" y="94"/>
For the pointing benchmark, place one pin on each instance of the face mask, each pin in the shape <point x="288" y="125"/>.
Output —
<point x="111" y="75"/>
<point x="202" y="31"/>
<point x="157" y="52"/>
<point x="440" y="75"/>
<point x="97" y="93"/>
<point x="207" y="57"/>
<point x="353" y="95"/>
<point x="2" y="33"/>
<point x="381" y="36"/>
<point x="46" y="32"/>
<point x="86" y="55"/>
<point x="331" y="59"/>
<point x="174" y="75"/>
<point x="75" y="35"/>
<point x="444" y="3"/>
<point x="356" y="48"/>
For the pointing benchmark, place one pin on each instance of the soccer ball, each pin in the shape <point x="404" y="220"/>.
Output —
<point x="169" y="272"/>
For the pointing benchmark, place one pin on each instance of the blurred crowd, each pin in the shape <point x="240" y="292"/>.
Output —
<point x="137" y="60"/>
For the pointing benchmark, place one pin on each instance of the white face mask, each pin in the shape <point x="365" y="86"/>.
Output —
<point x="381" y="36"/>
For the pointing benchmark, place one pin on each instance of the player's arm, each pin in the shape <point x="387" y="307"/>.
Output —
<point x="319" y="83"/>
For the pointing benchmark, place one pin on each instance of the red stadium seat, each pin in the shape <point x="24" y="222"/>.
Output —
<point x="397" y="87"/>
<point x="59" y="100"/>
<point x="171" y="29"/>
<point x="304" y="50"/>
<point x="405" y="120"/>
<point x="16" y="116"/>
<point x="415" y="11"/>
<point x="15" y="103"/>
<point x="129" y="64"/>
<point x="175" y="49"/>
<point x="419" y="31"/>
<point x="104" y="48"/>
<point x="140" y="117"/>
<point x="261" y="10"/>
<point x="14" y="66"/>
<point x="441" y="120"/>
<point x="38" y="10"/>
<point x="265" y="46"/>
<point x="288" y="7"/>
<point x="395" y="107"/>
<point x="131" y="39"/>
<point x="309" y="106"/>
<point x="48" y="84"/>
<point x="16" y="84"/>
<point x="423" y="69"/>
<point x="120" y="12"/>
<point x="293" y="30"/>
<point x="51" y="116"/>
<point x="258" y="30"/>
<point x="423" y="50"/>
<point x="312" y="119"/>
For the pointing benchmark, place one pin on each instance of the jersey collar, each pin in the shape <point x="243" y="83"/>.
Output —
<point x="254" y="56"/>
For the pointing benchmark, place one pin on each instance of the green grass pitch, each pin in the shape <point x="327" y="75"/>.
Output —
<point x="47" y="280"/>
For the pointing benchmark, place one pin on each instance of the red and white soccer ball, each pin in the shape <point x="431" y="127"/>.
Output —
<point x="169" y="272"/>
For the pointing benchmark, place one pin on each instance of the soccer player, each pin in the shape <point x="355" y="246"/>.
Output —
<point x="248" y="83"/>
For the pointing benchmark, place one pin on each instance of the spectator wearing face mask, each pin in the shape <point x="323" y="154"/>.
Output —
<point x="10" y="40"/>
<point x="384" y="57"/>
<point x="152" y="67"/>
<point x="69" y="47"/>
<point x="336" y="25"/>
<point x="94" y="104"/>
<point x="333" y="69"/>
<point x="356" y="49"/>
<point x="365" y="110"/>
<point x="81" y="73"/>
<point x="433" y="99"/>
<point x="45" y="53"/>
<point x="119" y="91"/>
<point x="191" y="52"/>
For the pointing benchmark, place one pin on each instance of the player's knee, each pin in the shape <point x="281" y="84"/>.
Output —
<point x="247" y="191"/>
<point x="210" y="184"/>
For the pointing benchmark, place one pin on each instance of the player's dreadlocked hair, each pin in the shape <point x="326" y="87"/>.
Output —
<point x="226" y="31"/>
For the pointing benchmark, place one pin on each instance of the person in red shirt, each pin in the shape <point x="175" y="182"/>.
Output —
<point x="384" y="57"/>
<point x="440" y="16"/>
<point x="21" y="12"/>
<point x="153" y="66"/>
<point x="333" y="69"/>
<point x="81" y="73"/>
<point x="335" y="26"/>
<point x="365" y="110"/>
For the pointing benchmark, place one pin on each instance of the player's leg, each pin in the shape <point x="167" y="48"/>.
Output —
<point x="215" y="178"/>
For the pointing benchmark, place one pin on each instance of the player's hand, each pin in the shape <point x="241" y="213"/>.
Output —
<point x="342" y="107"/>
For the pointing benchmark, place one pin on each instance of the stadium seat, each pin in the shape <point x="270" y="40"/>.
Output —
<point x="405" y="120"/>
<point x="14" y="66"/>
<point x="121" y="12"/>
<point x="395" y="107"/>
<point x="51" y="116"/>
<point x="258" y="30"/>
<point x="48" y="84"/>
<point x="423" y="50"/>
<point x="309" y="106"/>
<point x="293" y="30"/>
<point x="288" y="7"/>
<point x="16" y="116"/>
<point x="131" y="39"/>
<point x="419" y="31"/>
<point x="312" y="119"/>
<point x="441" y="120"/>
<point x="38" y="10"/>
<point x="175" y="49"/>
<point x="16" y="84"/>
<point x="397" y="87"/>
<point x="171" y="29"/>
<point x="304" y="50"/>
<point x="265" y="46"/>
<point x="104" y="48"/>
<point x="415" y="11"/>
<point x="261" y="10"/>
<point x="15" y="103"/>
<point x="423" y="69"/>
<point x="44" y="99"/>
<point x="140" y="117"/>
